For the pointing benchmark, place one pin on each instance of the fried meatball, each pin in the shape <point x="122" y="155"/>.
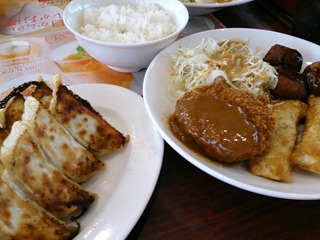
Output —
<point x="227" y="125"/>
<point x="290" y="85"/>
<point x="279" y="55"/>
<point x="311" y="75"/>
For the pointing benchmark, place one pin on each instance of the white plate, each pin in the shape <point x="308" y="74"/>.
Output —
<point x="205" y="8"/>
<point x="305" y="184"/>
<point x="126" y="185"/>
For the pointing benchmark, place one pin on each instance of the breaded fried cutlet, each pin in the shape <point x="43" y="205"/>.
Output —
<point x="228" y="125"/>
<point x="274" y="162"/>
<point x="306" y="153"/>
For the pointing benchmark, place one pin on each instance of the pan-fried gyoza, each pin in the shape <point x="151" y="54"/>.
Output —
<point x="85" y="124"/>
<point x="28" y="167"/>
<point x="21" y="218"/>
<point x="13" y="112"/>
<point x="70" y="157"/>
<point x="43" y="161"/>
<point x="3" y="136"/>
<point x="77" y="115"/>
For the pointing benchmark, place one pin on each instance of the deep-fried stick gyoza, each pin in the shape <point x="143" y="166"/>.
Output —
<point x="306" y="153"/>
<point x="274" y="163"/>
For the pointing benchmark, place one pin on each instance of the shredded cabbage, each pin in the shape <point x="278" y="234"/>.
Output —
<point x="232" y="61"/>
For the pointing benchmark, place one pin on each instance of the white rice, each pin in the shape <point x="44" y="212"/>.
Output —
<point x="127" y="23"/>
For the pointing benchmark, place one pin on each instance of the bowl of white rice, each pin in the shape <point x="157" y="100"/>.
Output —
<point x="125" y="34"/>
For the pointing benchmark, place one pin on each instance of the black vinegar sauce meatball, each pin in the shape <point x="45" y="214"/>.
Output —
<point x="290" y="85"/>
<point x="279" y="55"/>
<point x="311" y="76"/>
<point x="293" y="83"/>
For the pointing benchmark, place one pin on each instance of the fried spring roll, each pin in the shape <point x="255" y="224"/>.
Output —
<point x="274" y="162"/>
<point x="306" y="153"/>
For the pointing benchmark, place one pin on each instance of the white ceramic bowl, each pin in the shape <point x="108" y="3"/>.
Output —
<point x="205" y="8"/>
<point x="128" y="57"/>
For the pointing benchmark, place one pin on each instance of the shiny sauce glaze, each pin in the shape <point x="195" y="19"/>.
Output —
<point x="214" y="128"/>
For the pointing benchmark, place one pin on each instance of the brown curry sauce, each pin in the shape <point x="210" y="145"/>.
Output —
<point x="220" y="130"/>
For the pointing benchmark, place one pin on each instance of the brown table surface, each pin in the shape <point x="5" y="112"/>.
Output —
<point x="189" y="204"/>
